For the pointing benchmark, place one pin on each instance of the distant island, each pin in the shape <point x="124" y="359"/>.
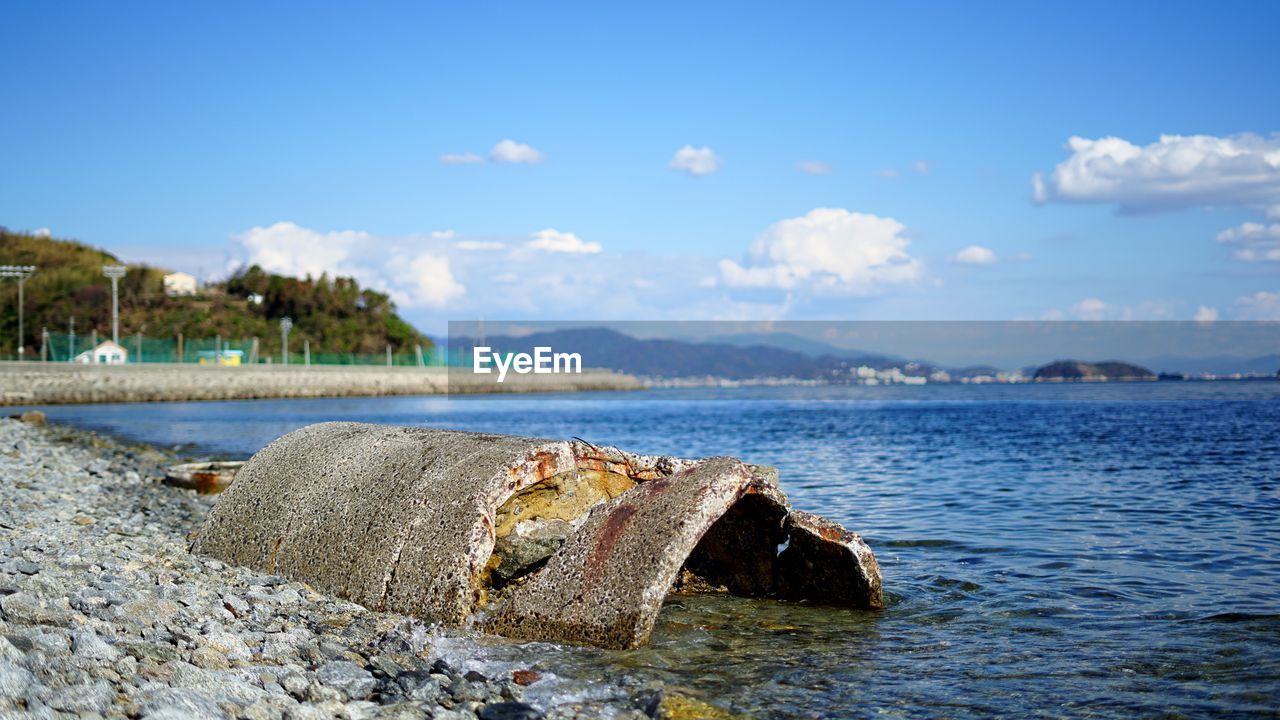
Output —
<point x="1078" y="371"/>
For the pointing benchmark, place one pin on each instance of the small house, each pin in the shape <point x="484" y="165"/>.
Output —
<point x="179" y="283"/>
<point x="105" y="353"/>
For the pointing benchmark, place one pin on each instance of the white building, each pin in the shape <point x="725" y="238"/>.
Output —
<point x="106" y="353"/>
<point x="179" y="283"/>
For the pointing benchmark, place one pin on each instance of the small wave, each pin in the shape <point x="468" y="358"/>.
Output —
<point x="1237" y="617"/>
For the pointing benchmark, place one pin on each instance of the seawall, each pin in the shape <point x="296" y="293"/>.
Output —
<point x="33" y="383"/>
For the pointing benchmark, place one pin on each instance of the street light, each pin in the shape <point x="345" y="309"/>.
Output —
<point x="21" y="272"/>
<point x="286" y="324"/>
<point x="115" y="272"/>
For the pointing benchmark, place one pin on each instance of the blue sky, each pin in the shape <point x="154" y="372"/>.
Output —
<point x="315" y="137"/>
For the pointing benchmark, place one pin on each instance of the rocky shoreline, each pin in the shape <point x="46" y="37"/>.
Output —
<point x="105" y="613"/>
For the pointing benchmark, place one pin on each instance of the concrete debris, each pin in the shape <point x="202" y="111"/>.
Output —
<point x="536" y="539"/>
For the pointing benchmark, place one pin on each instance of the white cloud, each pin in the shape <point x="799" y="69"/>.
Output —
<point x="42" y="232"/>
<point x="1259" y="306"/>
<point x="1096" y="309"/>
<point x="1255" y="241"/>
<point x="480" y="245"/>
<point x="552" y="240"/>
<point x="289" y="249"/>
<point x="512" y="152"/>
<point x="829" y="249"/>
<point x="1090" y="309"/>
<point x="413" y="276"/>
<point x="975" y="255"/>
<point x="443" y="234"/>
<point x="1176" y="172"/>
<point x="1022" y="257"/>
<point x="887" y="173"/>
<point x="695" y="161"/>
<point x="425" y="281"/>
<point x="920" y="166"/>
<point x="1206" y="314"/>
<point x="461" y="159"/>
<point x="813" y="167"/>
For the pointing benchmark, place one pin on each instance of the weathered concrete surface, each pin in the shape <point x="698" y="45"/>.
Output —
<point x="544" y="539"/>
<point x="823" y="560"/>
<point x="606" y="585"/>
<point x="392" y="518"/>
<point x="35" y="383"/>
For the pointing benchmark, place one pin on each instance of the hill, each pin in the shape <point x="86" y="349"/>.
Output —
<point x="335" y="314"/>
<point x="605" y="348"/>
<point x="1077" y="371"/>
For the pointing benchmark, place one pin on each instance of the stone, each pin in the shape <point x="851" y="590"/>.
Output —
<point x="29" y="609"/>
<point x="26" y="567"/>
<point x="355" y="682"/>
<point x="86" y="643"/>
<point x="90" y="698"/>
<point x="14" y="679"/>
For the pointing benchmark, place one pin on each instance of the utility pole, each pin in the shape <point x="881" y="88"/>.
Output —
<point x="21" y="272"/>
<point x="306" y="353"/>
<point x="286" y="324"/>
<point x="72" y="357"/>
<point x="388" y="354"/>
<point x="115" y="272"/>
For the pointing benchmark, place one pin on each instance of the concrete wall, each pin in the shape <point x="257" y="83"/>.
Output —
<point x="34" y="383"/>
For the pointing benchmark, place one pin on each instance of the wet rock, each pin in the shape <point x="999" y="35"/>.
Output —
<point x="525" y="677"/>
<point x="510" y="711"/>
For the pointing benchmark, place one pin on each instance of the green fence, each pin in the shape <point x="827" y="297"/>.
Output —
<point x="60" y="347"/>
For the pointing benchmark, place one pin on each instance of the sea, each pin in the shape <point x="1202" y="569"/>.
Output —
<point x="1091" y="550"/>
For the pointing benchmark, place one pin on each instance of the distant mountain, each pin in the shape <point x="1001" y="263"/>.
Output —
<point x="806" y="346"/>
<point x="601" y="347"/>
<point x="1215" y="365"/>
<point x="1077" y="371"/>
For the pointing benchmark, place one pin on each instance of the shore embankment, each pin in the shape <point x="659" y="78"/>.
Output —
<point x="105" y="613"/>
<point x="33" y="383"/>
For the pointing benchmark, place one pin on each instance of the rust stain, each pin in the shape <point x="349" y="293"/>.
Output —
<point x="606" y="540"/>
<point x="209" y="483"/>
<point x="271" y="558"/>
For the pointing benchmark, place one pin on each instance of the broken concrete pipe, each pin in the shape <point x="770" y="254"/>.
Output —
<point x="533" y="539"/>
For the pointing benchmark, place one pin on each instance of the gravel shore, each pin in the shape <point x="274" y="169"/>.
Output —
<point x="104" y="613"/>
